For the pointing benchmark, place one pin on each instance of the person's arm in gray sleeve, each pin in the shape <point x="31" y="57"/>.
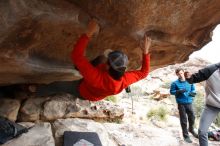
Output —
<point x="202" y="74"/>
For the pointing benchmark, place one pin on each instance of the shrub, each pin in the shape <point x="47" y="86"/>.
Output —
<point x="217" y="121"/>
<point x="136" y="91"/>
<point x="159" y="113"/>
<point x="199" y="102"/>
<point x="111" y="98"/>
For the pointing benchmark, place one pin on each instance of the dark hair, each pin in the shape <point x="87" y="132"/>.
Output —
<point x="116" y="74"/>
<point x="178" y="70"/>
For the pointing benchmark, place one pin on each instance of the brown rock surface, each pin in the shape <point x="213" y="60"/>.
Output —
<point x="9" y="108"/>
<point x="64" y="106"/>
<point x="36" y="36"/>
<point x="31" y="109"/>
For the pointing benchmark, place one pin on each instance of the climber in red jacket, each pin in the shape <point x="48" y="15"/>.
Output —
<point x="103" y="79"/>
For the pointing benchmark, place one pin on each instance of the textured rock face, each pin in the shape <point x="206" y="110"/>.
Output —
<point x="40" y="134"/>
<point x="59" y="106"/>
<point x="9" y="108"/>
<point x="81" y="125"/>
<point x="36" y="36"/>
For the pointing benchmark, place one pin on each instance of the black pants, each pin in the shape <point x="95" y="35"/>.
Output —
<point x="70" y="87"/>
<point x="186" y="110"/>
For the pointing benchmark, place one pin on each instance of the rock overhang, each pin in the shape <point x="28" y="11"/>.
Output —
<point x="36" y="37"/>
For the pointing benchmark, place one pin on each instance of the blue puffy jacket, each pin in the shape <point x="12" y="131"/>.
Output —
<point x="182" y="97"/>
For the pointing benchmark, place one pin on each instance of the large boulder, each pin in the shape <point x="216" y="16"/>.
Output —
<point x="9" y="108"/>
<point x="39" y="135"/>
<point x="65" y="106"/>
<point x="81" y="125"/>
<point x="37" y="36"/>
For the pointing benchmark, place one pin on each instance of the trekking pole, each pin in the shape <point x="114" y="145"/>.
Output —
<point x="128" y="90"/>
<point x="132" y="105"/>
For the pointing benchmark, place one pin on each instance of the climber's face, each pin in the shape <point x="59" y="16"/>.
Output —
<point x="187" y="74"/>
<point x="180" y="75"/>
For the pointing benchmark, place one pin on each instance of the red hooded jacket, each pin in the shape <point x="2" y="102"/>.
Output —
<point x="97" y="83"/>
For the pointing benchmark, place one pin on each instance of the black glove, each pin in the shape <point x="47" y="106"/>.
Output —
<point x="180" y="91"/>
<point x="128" y="89"/>
<point x="192" y="94"/>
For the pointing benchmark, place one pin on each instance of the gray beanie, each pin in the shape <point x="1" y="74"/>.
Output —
<point x="118" y="60"/>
